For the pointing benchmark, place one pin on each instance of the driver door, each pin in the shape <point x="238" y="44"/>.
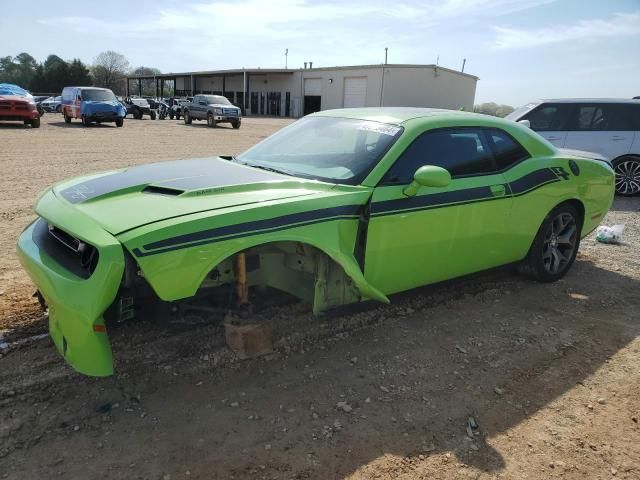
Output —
<point x="441" y="232"/>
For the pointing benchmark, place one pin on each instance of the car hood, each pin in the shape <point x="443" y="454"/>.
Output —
<point x="126" y="199"/>
<point x="94" y="106"/>
<point x="223" y="105"/>
<point x="16" y="98"/>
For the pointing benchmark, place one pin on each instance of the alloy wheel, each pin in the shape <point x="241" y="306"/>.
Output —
<point x="559" y="243"/>
<point x="628" y="177"/>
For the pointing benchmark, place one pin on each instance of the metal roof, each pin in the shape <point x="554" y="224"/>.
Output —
<point x="254" y="71"/>
<point x="591" y="100"/>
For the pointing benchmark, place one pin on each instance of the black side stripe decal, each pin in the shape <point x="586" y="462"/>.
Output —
<point x="252" y="228"/>
<point x="523" y="185"/>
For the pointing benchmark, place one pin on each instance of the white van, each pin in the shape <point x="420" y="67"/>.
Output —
<point x="609" y="127"/>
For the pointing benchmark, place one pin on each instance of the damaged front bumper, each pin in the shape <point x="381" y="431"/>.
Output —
<point x="76" y="298"/>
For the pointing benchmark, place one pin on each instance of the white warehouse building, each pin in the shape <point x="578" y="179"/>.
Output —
<point x="298" y="92"/>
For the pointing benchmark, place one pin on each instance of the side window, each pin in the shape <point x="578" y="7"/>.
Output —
<point x="549" y="117"/>
<point x="460" y="151"/>
<point x="602" y="118"/>
<point x="506" y="150"/>
<point x="635" y="117"/>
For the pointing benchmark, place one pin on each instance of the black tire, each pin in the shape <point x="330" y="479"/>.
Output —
<point x="187" y="117"/>
<point x="177" y="116"/>
<point x="211" y="122"/>
<point x="171" y="116"/>
<point x="85" y="121"/>
<point x="119" y="122"/>
<point x="627" y="170"/>
<point x="35" y="123"/>
<point x="236" y="124"/>
<point x="67" y="119"/>
<point x="555" y="246"/>
<point x="59" y="108"/>
<point x="137" y="114"/>
<point x="153" y="115"/>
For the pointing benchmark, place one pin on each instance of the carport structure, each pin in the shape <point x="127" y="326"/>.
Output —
<point x="258" y="91"/>
<point x="301" y="91"/>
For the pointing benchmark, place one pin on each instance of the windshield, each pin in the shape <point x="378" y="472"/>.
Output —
<point x="213" y="99"/>
<point x="518" y="113"/>
<point x="98" y="95"/>
<point x="140" y="102"/>
<point x="337" y="150"/>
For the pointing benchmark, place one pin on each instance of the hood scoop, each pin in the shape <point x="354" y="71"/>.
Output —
<point x="167" y="192"/>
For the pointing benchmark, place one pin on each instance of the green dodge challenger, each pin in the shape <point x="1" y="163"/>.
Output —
<point x="339" y="207"/>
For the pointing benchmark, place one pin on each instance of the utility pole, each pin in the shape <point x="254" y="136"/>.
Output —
<point x="464" y="60"/>
<point x="286" y="55"/>
<point x="386" y="51"/>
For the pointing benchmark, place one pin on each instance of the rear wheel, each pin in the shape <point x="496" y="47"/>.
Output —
<point x="153" y="115"/>
<point x="556" y="244"/>
<point x="137" y="114"/>
<point x="211" y="122"/>
<point x="85" y="121"/>
<point x="119" y="122"/>
<point x="35" y="123"/>
<point x="67" y="118"/>
<point x="187" y="117"/>
<point x="627" y="170"/>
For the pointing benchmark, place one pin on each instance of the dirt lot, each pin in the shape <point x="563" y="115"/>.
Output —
<point x="550" y="373"/>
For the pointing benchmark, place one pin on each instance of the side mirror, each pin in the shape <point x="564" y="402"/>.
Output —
<point x="526" y="123"/>
<point x="427" y="176"/>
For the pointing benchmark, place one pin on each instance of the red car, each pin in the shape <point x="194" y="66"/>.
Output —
<point x="18" y="106"/>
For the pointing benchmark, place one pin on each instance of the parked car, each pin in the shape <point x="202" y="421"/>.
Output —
<point x="610" y="127"/>
<point x="177" y="106"/>
<point x="341" y="206"/>
<point x="52" y="104"/>
<point x="214" y="109"/>
<point x="139" y="107"/>
<point x="17" y="105"/>
<point x="92" y="104"/>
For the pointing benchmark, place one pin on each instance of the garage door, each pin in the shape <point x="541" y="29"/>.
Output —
<point x="312" y="87"/>
<point x="355" y="91"/>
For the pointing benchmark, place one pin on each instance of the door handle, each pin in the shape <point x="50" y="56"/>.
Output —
<point x="616" y="138"/>
<point x="498" y="190"/>
<point x="553" y="138"/>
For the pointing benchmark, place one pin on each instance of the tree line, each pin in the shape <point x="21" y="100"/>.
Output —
<point x="491" y="108"/>
<point x="108" y="70"/>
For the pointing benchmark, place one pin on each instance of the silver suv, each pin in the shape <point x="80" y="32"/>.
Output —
<point x="610" y="127"/>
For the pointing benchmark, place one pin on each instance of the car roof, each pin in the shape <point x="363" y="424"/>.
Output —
<point x="90" y="88"/>
<point x="591" y="100"/>
<point x="394" y="115"/>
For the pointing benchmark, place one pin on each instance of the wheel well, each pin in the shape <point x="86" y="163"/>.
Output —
<point x="578" y="205"/>
<point x="297" y="268"/>
<point x="625" y="156"/>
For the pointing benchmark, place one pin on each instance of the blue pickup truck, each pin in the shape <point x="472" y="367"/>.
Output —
<point x="214" y="109"/>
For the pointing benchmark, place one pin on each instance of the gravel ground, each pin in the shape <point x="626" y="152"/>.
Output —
<point x="550" y="373"/>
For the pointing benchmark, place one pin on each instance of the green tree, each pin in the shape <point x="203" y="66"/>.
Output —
<point x="79" y="74"/>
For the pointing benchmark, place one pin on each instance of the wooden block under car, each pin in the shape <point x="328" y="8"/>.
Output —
<point x="249" y="341"/>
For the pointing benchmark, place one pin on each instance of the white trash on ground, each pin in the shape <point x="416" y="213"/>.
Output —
<point x="613" y="234"/>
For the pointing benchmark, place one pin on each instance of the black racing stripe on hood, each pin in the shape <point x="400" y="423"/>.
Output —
<point x="180" y="174"/>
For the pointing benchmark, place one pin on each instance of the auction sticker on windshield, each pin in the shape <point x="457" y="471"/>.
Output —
<point x="379" y="128"/>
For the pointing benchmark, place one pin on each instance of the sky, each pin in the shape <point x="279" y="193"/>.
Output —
<point x="521" y="50"/>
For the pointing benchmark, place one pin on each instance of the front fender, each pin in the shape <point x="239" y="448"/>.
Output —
<point x="178" y="273"/>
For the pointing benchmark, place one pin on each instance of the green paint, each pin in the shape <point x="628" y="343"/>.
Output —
<point x="407" y="245"/>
